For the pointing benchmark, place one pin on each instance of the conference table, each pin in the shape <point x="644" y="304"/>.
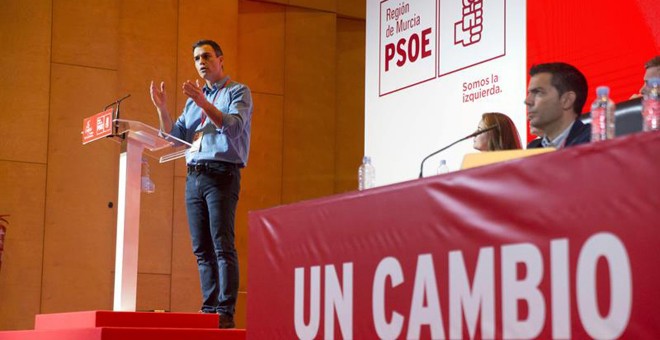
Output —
<point x="565" y="244"/>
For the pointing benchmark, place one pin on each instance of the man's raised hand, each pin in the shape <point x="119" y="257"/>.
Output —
<point x="158" y="96"/>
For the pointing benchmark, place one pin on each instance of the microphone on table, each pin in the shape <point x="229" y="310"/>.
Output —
<point x="477" y="133"/>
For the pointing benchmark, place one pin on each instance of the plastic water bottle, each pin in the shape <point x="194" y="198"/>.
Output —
<point x="366" y="174"/>
<point x="148" y="185"/>
<point x="602" y="115"/>
<point x="651" y="105"/>
<point x="442" y="168"/>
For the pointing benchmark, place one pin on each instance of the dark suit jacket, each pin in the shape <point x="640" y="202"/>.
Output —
<point x="580" y="133"/>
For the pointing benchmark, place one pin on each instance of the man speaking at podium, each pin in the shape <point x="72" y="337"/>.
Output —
<point x="216" y="120"/>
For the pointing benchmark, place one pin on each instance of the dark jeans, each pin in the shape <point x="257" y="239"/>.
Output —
<point x="211" y="198"/>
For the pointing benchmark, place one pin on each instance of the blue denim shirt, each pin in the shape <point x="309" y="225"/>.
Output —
<point x="231" y="141"/>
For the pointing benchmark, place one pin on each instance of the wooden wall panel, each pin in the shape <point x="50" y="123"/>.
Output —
<point x="85" y="32"/>
<point x="352" y="8"/>
<point x="240" y="318"/>
<point x="296" y="56"/>
<point x="186" y="293"/>
<point x="309" y="105"/>
<point x="283" y="2"/>
<point x="23" y="190"/>
<point x="261" y="46"/>
<point x="323" y="5"/>
<point x="261" y="180"/>
<point x="155" y="249"/>
<point x="216" y="20"/>
<point x="349" y="148"/>
<point x="261" y="34"/>
<point x="25" y="59"/>
<point x="148" y="52"/>
<point x="79" y="227"/>
<point x="153" y="292"/>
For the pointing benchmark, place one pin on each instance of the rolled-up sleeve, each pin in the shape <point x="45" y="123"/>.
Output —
<point x="239" y="112"/>
<point x="179" y="128"/>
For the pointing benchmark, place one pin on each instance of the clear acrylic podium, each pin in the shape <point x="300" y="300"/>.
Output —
<point x="136" y="138"/>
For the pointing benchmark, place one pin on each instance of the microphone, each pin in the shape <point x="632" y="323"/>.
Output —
<point x="116" y="113"/>
<point x="116" y="102"/>
<point x="477" y="133"/>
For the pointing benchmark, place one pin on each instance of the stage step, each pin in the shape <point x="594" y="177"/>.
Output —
<point x="125" y="333"/>
<point x="91" y="319"/>
<point x="107" y="325"/>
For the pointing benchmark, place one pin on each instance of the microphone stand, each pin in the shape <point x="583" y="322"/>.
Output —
<point x="421" y="166"/>
<point x="116" y="115"/>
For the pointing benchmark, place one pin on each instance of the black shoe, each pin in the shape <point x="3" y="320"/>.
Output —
<point x="226" y="321"/>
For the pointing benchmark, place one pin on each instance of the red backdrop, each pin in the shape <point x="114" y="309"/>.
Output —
<point x="608" y="41"/>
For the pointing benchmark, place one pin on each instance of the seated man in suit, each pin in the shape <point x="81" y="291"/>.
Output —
<point x="652" y="71"/>
<point x="536" y="132"/>
<point x="555" y="97"/>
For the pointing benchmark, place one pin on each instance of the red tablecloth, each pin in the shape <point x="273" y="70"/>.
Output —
<point x="564" y="244"/>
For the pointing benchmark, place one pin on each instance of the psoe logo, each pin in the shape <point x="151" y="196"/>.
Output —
<point x="407" y="44"/>
<point x="470" y="32"/>
<point x="467" y="31"/>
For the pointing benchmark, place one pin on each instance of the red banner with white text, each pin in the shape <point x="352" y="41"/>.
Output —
<point x="560" y="245"/>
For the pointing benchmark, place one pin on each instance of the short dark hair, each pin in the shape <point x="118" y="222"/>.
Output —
<point x="565" y="78"/>
<point x="213" y="44"/>
<point x="654" y="62"/>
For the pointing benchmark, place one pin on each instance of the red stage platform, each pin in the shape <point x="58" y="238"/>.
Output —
<point x="107" y="325"/>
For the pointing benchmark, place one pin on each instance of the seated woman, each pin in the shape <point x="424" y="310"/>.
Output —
<point x="503" y="137"/>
